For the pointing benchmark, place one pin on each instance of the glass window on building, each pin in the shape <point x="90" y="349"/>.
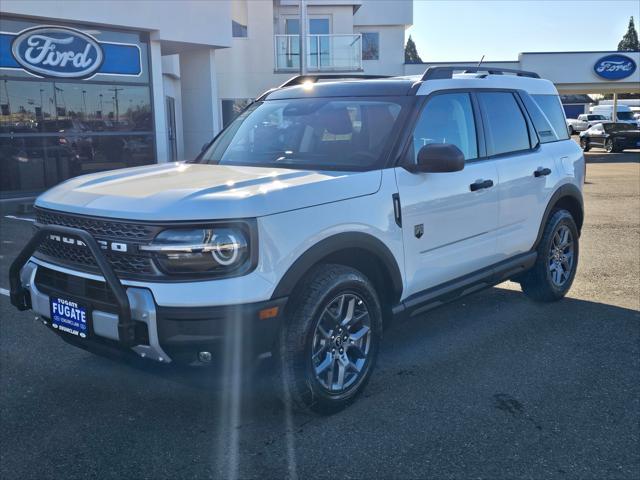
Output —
<point x="239" y="19"/>
<point x="370" y="45"/>
<point x="55" y="128"/>
<point x="231" y="108"/>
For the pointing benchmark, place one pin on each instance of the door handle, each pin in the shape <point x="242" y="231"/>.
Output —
<point x="480" y="184"/>
<point x="542" y="172"/>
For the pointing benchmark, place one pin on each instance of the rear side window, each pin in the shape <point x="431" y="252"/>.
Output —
<point x="547" y="131"/>
<point x="506" y="127"/>
<point x="447" y="118"/>
<point x="552" y="108"/>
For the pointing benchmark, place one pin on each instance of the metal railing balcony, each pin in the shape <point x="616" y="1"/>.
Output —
<point x="325" y="53"/>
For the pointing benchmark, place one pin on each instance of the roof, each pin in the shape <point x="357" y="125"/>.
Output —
<point x="407" y="85"/>
<point x="380" y="87"/>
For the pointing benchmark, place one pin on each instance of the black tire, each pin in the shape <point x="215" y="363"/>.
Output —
<point x="298" y="383"/>
<point x="540" y="283"/>
<point x="571" y="130"/>
<point x="584" y="144"/>
<point x="608" y="146"/>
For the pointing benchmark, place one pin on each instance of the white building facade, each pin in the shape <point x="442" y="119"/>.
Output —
<point x="96" y="85"/>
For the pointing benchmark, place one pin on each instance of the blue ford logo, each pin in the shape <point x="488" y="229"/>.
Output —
<point x="615" y="67"/>
<point x="57" y="52"/>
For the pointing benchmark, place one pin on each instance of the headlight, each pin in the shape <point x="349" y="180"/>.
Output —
<point x="200" y="250"/>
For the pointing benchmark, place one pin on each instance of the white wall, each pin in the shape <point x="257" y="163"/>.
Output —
<point x="391" y="50"/>
<point x="194" y="22"/>
<point x="200" y="115"/>
<point x="384" y="12"/>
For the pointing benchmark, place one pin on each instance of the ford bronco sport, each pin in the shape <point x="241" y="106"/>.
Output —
<point x="326" y="209"/>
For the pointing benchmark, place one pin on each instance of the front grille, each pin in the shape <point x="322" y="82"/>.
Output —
<point x="132" y="263"/>
<point x="92" y="293"/>
<point x="82" y="257"/>
<point x="98" y="227"/>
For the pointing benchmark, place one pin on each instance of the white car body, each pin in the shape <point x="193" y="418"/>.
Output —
<point x="584" y="121"/>
<point x="464" y="231"/>
<point x="625" y="114"/>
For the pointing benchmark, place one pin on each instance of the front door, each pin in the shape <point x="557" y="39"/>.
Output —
<point x="448" y="225"/>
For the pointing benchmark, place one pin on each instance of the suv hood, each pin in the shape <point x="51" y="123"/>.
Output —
<point x="181" y="191"/>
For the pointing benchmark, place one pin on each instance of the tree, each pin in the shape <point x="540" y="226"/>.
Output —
<point x="411" y="52"/>
<point x="629" y="42"/>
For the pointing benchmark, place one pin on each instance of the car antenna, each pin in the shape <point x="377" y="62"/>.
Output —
<point x="480" y="62"/>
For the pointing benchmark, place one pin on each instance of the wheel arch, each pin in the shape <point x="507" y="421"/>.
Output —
<point x="358" y="250"/>
<point x="567" y="197"/>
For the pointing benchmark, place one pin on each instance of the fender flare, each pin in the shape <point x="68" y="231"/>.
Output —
<point x="334" y="244"/>
<point x="566" y="190"/>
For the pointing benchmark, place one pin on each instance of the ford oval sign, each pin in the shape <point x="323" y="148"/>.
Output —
<point x="615" y="67"/>
<point x="57" y="52"/>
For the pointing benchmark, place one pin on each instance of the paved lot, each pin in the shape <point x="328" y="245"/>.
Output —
<point x="494" y="387"/>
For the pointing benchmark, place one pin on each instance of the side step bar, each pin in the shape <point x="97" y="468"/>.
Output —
<point x="487" y="277"/>
<point x="20" y="297"/>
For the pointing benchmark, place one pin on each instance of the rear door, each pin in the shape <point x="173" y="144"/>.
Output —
<point x="448" y="227"/>
<point x="525" y="167"/>
<point x="597" y="135"/>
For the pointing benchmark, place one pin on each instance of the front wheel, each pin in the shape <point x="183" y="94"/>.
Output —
<point x="608" y="146"/>
<point x="329" y="343"/>
<point x="552" y="275"/>
<point x="571" y="130"/>
<point x="584" y="144"/>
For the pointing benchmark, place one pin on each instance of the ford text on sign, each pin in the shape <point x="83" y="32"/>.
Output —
<point x="615" y="67"/>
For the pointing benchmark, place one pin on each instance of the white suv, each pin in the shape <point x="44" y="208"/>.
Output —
<point x="322" y="212"/>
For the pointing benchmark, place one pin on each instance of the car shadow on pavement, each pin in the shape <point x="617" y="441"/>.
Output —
<point x="494" y="366"/>
<point x="604" y="157"/>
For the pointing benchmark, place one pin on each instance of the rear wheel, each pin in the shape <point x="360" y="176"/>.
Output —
<point x="608" y="146"/>
<point x="329" y="344"/>
<point x="571" y="130"/>
<point x="552" y="275"/>
<point x="584" y="144"/>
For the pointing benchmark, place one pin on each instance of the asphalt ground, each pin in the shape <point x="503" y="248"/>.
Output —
<point x="494" y="386"/>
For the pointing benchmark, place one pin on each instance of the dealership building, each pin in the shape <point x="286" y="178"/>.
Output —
<point x="89" y="86"/>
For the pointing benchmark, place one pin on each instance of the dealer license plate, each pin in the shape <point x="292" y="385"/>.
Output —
<point x="69" y="317"/>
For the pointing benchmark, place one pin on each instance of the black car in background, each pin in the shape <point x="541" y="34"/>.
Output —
<point x="613" y="137"/>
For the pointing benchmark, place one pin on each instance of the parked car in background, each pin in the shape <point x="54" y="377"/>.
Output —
<point x="623" y="113"/>
<point x="583" y="122"/>
<point x="613" y="137"/>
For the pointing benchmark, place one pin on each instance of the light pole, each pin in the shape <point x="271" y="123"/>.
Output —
<point x="303" y="35"/>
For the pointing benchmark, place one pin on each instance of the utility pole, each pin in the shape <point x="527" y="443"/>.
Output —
<point x="115" y="99"/>
<point x="303" y="37"/>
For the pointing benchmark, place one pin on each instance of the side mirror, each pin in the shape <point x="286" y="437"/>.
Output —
<point x="438" y="158"/>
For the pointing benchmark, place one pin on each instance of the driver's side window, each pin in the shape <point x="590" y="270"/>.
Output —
<point x="447" y="118"/>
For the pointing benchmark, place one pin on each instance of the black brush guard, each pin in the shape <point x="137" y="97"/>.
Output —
<point x="21" y="299"/>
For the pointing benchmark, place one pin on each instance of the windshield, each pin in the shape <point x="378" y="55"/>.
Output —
<point x="625" y="116"/>
<point x="613" y="127"/>
<point x="310" y="133"/>
<point x="595" y="117"/>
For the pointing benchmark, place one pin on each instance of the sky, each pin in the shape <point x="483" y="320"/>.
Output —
<point x="460" y="30"/>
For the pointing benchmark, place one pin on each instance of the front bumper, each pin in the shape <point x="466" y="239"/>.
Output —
<point x="163" y="334"/>
<point x="127" y="318"/>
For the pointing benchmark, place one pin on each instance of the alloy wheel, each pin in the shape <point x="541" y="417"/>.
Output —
<point x="561" y="256"/>
<point x="341" y="343"/>
<point x="608" y="146"/>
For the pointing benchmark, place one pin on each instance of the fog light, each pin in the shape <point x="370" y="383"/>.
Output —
<point x="204" y="357"/>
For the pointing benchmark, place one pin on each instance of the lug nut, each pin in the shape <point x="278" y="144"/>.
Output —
<point x="345" y="338"/>
<point x="333" y="350"/>
<point x="204" y="357"/>
<point x="341" y="350"/>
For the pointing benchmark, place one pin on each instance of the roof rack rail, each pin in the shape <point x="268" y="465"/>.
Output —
<point x="444" y="72"/>
<point x="313" y="78"/>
